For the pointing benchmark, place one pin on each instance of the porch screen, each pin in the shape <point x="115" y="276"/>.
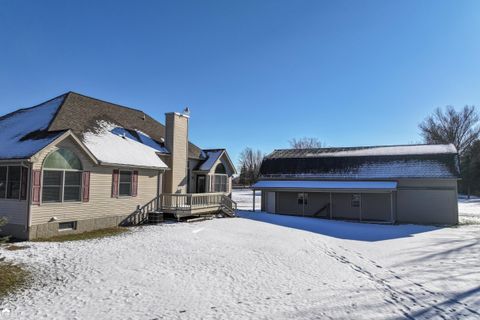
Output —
<point x="220" y="183"/>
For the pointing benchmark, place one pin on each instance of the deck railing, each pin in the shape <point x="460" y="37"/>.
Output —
<point x="183" y="205"/>
<point x="191" y="200"/>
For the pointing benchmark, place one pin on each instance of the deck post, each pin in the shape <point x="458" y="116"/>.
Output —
<point x="331" y="207"/>
<point x="360" y="207"/>
<point x="391" y="206"/>
<point x="253" y="200"/>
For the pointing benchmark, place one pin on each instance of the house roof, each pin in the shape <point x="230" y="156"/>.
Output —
<point x="376" y="162"/>
<point x="114" y="145"/>
<point x="81" y="114"/>
<point x="26" y="131"/>
<point x="393" y="150"/>
<point x="211" y="156"/>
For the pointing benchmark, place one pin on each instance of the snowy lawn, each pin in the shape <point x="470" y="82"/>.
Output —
<point x="259" y="266"/>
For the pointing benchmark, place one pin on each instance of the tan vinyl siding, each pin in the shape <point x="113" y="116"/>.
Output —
<point x="100" y="204"/>
<point x="176" y="140"/>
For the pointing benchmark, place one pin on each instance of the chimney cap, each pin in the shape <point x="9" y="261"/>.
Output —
<point x="186" y="111"/>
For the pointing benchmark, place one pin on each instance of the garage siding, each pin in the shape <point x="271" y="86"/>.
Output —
<point x="287" y="203"/>
<point x="427" y="201"/>
<point x="376" y="206"/>
<point x="317" y="201"/>
<point x="342" y="207"/>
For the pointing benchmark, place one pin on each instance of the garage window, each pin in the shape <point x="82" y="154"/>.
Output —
<point x="356" y="199"/>
<point x="302" y="198"/>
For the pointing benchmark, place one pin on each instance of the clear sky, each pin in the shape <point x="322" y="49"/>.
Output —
<point x="254" y="73"/>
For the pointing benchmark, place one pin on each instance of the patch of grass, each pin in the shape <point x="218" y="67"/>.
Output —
<point x="14" y="247"/>
<point x="13" y="277"/>
<point x="95" y="234"/>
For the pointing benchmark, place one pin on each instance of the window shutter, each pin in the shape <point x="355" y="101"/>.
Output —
<point x="24" y="183"/>
<point x="115" y="183"/>
<point x="36" y="186"/>
<point x="134" y="183"/>
<point x="86" y="186"/>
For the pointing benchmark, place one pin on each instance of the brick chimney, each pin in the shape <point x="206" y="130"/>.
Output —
<point x="176" y="141"/>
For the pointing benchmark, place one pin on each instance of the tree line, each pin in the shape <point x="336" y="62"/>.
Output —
<point x="448" y="125"/>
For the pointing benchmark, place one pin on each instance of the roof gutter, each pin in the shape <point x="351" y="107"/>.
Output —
<point x="110" y="164"/>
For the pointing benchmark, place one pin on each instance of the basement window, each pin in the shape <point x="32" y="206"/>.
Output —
<point x="71" y="225"/>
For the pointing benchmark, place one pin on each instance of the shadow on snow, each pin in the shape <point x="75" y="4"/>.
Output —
<point x="339" y="229"/>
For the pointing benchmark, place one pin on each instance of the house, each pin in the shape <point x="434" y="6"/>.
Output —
<point x="404" y="183"/>
<point x="76" y="163"/>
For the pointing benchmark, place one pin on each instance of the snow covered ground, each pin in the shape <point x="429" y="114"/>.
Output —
<point x="260" y="266"/>
<point x="469" y="210"/>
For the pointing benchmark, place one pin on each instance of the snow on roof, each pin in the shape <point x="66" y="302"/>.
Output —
<point x="392" y="151"/>
<point x="382" y="170"/>
<point x="109" y="144"/>
<point x="331" y="185"/>
<point x="419" y="149"/>
<point x="210" y="161"/>
<point x="17" y="130"/>
<point x="141" y="137"/>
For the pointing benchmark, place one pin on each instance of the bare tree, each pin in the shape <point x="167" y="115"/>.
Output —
<point x="449" y="126"/>
<point x="305" y="143"/>
<point x="250" y="162"/>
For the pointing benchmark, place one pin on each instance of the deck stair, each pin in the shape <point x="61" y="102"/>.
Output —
<point x="182" y="206"/>
<point x="197" y="204"/>
<point x="228" y="207"/>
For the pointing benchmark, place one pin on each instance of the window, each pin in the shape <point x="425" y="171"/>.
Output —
<point x="72" y="186"/>
<point x="302" y="198"/>
<point x="125" y="185"/>
<point x="220" y="183"/>
<point x="220" y="169"/>
<point x="52" y="186"/>
<point x="13" y="179"/>
<point x="62" y="177"/>
<point x="71" y="225"/>
<point x="13" y="183"/>
<point x="63" y="159"/>
<point x="3" y="181"/>
<point x="356" y="200"/>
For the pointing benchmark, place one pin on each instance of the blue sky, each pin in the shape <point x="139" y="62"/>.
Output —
<point x="254" y="73"/>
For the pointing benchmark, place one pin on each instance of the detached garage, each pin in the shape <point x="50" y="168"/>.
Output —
<point x="411" y="184"/>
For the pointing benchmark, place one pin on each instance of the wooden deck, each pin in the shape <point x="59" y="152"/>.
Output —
<point x="196" y="204"/>
<point x="184" y="205"/>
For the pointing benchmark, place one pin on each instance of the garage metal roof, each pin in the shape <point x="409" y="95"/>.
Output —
<point x="330" y="185"/>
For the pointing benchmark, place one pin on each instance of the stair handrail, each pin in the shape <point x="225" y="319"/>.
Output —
<point x="229" y="203"/>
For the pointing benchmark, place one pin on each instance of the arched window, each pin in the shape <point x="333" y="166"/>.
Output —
<point x="62" y="177"/>
<point x="63" y="159"/>
<point x="220" y="169"/>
